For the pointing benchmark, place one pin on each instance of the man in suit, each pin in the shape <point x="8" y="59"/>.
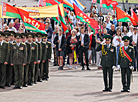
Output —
<point x="29" y="53"/>
<point x="4" y="57"/>
<point x="84" y="41"/>
<point x="18" y="60"/>
<point x="108" y="61"/>
<point x="48" y="57"/>
<point x="126" y="63"/>
<point x="34" y="58"/>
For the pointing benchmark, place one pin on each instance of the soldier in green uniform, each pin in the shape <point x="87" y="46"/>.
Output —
<point x="39" y="35"/>
<point x="8" y="67"/>
<point x="48" y="57"/>
<point x="126" y="62"/>
<point x="18" y="60"/>
<point x="29" y="51"/>
<point x="34" y="59"/>
<point x="4" y="56"/>
<point x="12" y="40"/>
<point x="43" y="58"/>
<point x="108" y="61"/>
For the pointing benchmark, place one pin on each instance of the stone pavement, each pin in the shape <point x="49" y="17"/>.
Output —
<point x="72" y="86"/>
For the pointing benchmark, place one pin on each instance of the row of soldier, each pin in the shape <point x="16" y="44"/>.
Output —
<point x="24" y="59"/>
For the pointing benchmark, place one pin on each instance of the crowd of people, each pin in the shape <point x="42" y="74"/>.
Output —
<point x="27" y="54"/>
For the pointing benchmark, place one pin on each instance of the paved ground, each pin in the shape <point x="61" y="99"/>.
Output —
<point x="72" y="86"/>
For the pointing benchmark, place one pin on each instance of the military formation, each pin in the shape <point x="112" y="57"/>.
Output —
<point x="108" y="62"/>
<point x="24" y="59"/>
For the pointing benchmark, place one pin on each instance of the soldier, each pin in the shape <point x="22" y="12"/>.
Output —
<point x="48" y="57"/>
<point x="4" y="56"/>
<point x="39" y="35"/>
<point x="126" y="62"/>
<point x="18" y="60"/>
<point x="43" y="58"/>
<point x="29" y="51"/>
<point x="12" y="33"/>
<point x="8" y="67"/>
<point x="108" y="61"/>
<point x="34" y="59"/>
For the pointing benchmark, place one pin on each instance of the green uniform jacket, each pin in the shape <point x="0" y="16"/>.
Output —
<point x="49" y="50"/>
<point x="10" y="47"/>
<point x="44" y="50"/>
<point x="108" y="55"/>
<point x="4" y="52"/>
<point x="34" y="49"/>
<point x="18" y="54"/>
<point x="39" y="51"/>
<point x="122" y="59"/>
<point x="29" y="52"/>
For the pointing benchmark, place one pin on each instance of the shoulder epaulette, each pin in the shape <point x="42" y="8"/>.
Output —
<point x="5" y="42"/>
<point x="49" y="42"/>
<point x="43" y="42"/>
<point x="35" y="43"/>
<point x="13" y="43"/>
<point x="113" y="45"/>
<point x="23" y="43"/>
<point x="131" y="46"/>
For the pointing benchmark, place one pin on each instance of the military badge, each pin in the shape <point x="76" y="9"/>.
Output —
<point x="112" y="50"/>
<point x="14" y="47"/>
<point x="129" y="50"/>
<point x="46" y="46"/>
<point x="21" y="48"/>
<point x="32" y="48"/>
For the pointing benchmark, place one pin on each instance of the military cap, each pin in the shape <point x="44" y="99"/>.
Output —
<point x="6" y="31"/>
<point x="7" y="34"/>
<point x="34" y="35"/>
<point x="107" y="37"/>
<point x="18" y="35"/>
<point x="30" y="35"/>
<point x="12" y="33"/>
<point x="23" y="35"/>
<point x="45" y="36"/>
<point x="126" y="38"/>
<point x="1" y="34"/>
<point x="39" y="34"/>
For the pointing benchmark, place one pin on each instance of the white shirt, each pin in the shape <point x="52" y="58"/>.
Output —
<point x="116" y="42"/>
<point x="18" y="44"/>
<point x="134" y="38"/>
<point x="129" y="33"/>
<point x="60" y="38"/>
<point x="82" y="38"/>
<point x="1" y="42"/>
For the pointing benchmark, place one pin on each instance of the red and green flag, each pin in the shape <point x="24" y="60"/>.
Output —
<point x="31" y="24"/>
<point x="84" y="18"/>
<point x="62" y="21"/>
<point x="133" y="15"/>
<point x="124" y="17"/>
<point x="8" y="10"/>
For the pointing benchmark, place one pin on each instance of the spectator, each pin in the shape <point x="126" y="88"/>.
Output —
<point x="114" y="21"/>
<point x="96" y="9"/>
<point x="72" y="45"/>
<point x="112" y="32"/>
<point x="124" y="31"/>
<point x="49" y="30"/>
<point x="129" y="11"/>
<point x="130" y="31"/>
<point x="108" y="24"/>
<point x="72" y="17"/>
<point x="69" y="31"/>
<point x="99" y="26"/>
<point x="100" y="16"/>
<point x="99" y="39"/>
<point x="60" y="42"/>
<point x="16" y="24"/>
<point x="135" y="8"/>
<point x="11" y="28"/>
<point x="119" y="26"/>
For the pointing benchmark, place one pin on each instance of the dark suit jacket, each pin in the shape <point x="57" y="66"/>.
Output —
<point x="63" y="43"/>
<point x="86" y="41"/>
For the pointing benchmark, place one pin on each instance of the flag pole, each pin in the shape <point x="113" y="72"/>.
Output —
<point x="100" y="16"/>
<point x="1" y="17"/>
<point x="123" y="4"/>
<point x="58" y="23"/>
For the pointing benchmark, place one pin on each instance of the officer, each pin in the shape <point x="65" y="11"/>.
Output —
<point x="108" y="61"/>
<point x="48" y="57"/>
<point x="8" y="67"/>
<point x="29" y="51"/>
<point x="126" y="63"/>
<point x="34" y="58"/>
<point x="12" y="40"/>
<point x="18" y="60"/>
<point x="4" y="57"/>
<point x="43" y="58"/>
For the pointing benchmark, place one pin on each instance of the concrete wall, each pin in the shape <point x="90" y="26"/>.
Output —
<point x="87" y="3"/>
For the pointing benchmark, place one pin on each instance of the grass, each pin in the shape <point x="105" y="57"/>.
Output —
<point x="129" y="1"/>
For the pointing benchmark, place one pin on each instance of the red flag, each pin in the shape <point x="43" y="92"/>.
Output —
<point x="134" y="15"/>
